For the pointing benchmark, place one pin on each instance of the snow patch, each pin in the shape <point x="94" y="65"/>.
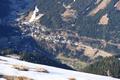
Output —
<point x="34" y="16"/>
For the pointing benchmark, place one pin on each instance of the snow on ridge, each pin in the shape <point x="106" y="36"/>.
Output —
<point x="34" y="16"/>
<point x="7" y="68"/>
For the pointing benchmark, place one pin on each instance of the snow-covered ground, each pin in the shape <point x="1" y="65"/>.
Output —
<point x="12" y="67"/>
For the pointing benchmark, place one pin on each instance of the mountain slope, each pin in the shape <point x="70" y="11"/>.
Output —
<point x="80" y="30"/>
<point x="13" y="38"/>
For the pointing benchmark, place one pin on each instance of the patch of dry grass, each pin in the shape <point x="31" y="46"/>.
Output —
<point x="16" y="77"/>
<point x="71" y="78"/>
<point x="21" y="67"/>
